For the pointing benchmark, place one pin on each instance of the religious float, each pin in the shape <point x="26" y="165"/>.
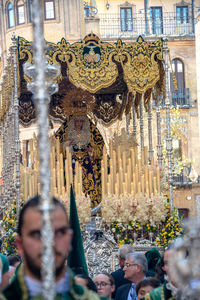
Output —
<point x="104" y="104"/>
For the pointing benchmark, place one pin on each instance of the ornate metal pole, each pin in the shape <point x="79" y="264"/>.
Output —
<point x="42" y="99"/>
<point x="168" y="139"/>
<point x="150" y="132"/>
<point x="159" y="141"/>
<point x="134" y="122"/>
<point x="127" y="124"/>
<point x="16" y="122"/>
<point x="141" y="127"/>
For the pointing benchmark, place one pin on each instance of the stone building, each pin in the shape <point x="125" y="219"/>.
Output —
<point x="113" y="19"/>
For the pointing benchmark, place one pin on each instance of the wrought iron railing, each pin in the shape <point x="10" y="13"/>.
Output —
<point x="179" y="98"/>
<point x="112" y="26"/>
<point x="183" y="178"/>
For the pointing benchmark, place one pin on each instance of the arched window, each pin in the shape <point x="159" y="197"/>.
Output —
<point x="20" y="12"/>
<point x="49" y="10"/>
<point x="10" y="15"/>
<point x="30" y="10"/>
<point x="178" y="97"/>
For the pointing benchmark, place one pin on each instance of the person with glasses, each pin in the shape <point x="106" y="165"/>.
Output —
<point x="118" y="275"/>
<point x="105" y="284"/>
<point x="135" y="269"/>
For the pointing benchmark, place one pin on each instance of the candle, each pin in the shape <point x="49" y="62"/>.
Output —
<point x="142" y="183"/>
<point x="139" y="188"/>
<point x="158" y="179"/>
<point x="145" y="155"/>
<point x="124" y="161"/>
<point x="114" y="163"/>
<point x="132" y="158"/>
<point x="102" y="180"/>
<point x="154" y="186"/>
<point x="150" y="183"/>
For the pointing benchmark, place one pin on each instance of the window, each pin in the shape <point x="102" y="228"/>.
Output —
<point x="10" y="15"/>
<point x="126" y="19"/>
<point x="20" y="12"/>
<point x="182" y="14"/>
<point x="49" y="10"/>
<point x="156" y="20"/>
<point x="86" y="12"/>
<point x="183" y="213"/>
<point x="178" y="97"/>
<point x="30" y="10"/>
<point x="177" y="148"/>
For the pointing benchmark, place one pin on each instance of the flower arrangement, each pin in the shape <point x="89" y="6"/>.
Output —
<point x="164" y="226"/>
<point x="83" y="208"/>
<point x="149" y="227"/>
<point x="124" y="207"/>
<point x="134" y="225"/>
<point x="124" y="241"/>
<point x="9" y="225"/>
<point x="118" y="227"/>
<point x="170" y="230"/>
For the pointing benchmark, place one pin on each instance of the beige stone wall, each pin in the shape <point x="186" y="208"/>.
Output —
<point x="197" y="31"/>
<point x="67" y="24"/>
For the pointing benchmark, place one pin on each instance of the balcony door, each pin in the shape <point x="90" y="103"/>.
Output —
<point x="126" y="19"/>
<point x="182" y="14"/>
<point x="156" y="20"/>
<point x="178" y="97"/>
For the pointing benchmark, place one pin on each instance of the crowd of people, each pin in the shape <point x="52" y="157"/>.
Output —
<point x="140" y="275"/>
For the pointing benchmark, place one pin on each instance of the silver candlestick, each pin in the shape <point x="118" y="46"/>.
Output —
<point x="168" y="139"/>
<point x="42" y="86"/>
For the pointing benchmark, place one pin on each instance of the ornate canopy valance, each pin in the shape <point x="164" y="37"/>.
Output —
<point x="115" y="74"/>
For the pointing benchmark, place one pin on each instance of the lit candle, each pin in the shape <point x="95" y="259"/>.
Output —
<point x="154" y="186"/>
<point x="158" y="179"/>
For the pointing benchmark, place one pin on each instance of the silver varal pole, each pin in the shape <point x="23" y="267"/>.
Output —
<point x="159" y="140"/>
<point x="16" y="122"/>
<point x="42" y="100"/>
<point x="150" y="132"/>
<point x="168" y="121"/>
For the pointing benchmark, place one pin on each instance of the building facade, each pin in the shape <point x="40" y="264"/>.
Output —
<point x="114" y="19"/>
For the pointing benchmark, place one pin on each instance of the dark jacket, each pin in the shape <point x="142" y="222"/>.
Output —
<point x="122" y="292"/>
<point x="118" y="276"/>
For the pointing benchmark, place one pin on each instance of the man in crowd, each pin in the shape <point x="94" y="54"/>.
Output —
<point x="168" y="289"/>
<point x="27" y="282"/>
<point x="135" y="269"/>
<point x="105" y="284"/>
<point x="118" y="275"/>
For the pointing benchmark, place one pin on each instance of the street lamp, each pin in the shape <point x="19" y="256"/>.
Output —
<point x="107" y="5"/>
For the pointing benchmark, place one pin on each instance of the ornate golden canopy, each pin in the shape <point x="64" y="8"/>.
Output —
<point x="107" y="71"/>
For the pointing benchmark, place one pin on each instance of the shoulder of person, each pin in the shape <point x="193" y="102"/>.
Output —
<point x="12" y="291"/>
<point x="90" y="295"/>
<point x="118" y="271"/>
<point x="155" y="294"/>
<point x="124" y="286"/>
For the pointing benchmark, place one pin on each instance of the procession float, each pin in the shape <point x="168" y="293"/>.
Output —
<point x="106" y="141"/>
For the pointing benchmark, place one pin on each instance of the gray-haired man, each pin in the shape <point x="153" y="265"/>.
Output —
<point x="118" y="275"/>
<point x="135" y="269"/>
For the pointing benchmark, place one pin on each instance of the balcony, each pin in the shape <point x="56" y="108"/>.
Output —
<point x="167" y="24"/>
<point x="183" y="178"/>
<point x="179" y="98"/>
